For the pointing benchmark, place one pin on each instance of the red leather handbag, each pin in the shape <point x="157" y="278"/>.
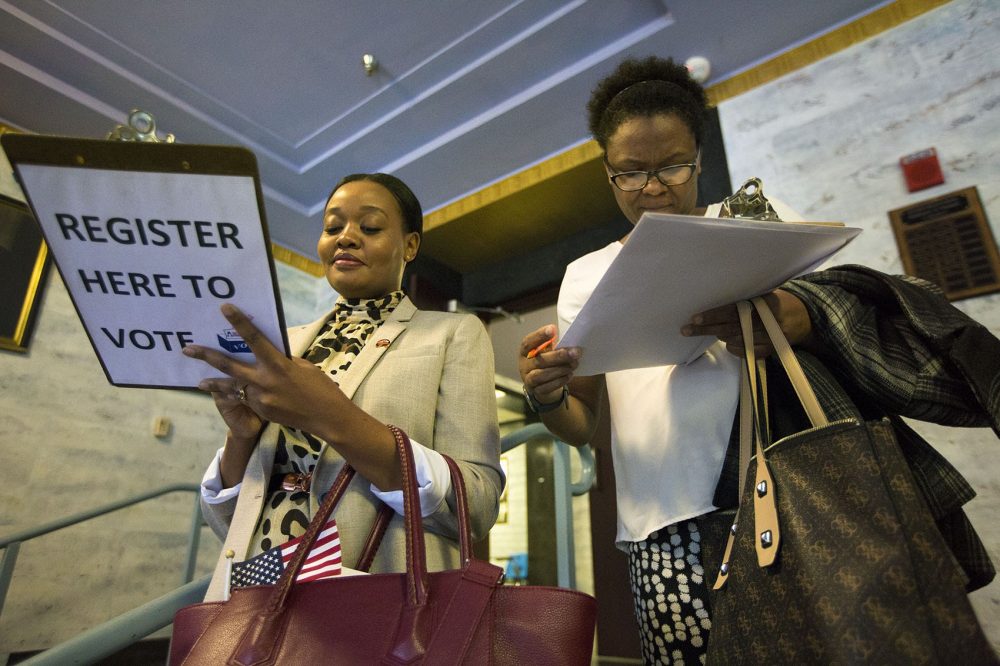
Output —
<point x="450" y="617"/>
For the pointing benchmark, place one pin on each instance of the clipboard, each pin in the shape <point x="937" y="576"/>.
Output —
<point x="674" y="266"/>
<point x="150" y="239"/>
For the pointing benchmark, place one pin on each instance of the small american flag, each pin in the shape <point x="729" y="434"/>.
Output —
<point x="323" y="561"/>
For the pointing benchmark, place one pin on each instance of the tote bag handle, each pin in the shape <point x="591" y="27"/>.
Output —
<point x="767" y="528"/>
<point x="807" y="397"/>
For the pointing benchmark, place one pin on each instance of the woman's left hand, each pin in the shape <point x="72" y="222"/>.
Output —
<point x="724" y="323"/>
<point x="293" y="392"/>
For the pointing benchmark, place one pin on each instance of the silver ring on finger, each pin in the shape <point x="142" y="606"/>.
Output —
<point x="243" y="393"/>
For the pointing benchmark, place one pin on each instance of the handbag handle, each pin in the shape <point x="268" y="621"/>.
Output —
<point x="386" y="513"/>
<point x="791" y="365"/>
<point x="415" y="626"/>
<point x="766" y="524"/>
<point x="765" y="509"/>
<point x="374" y="540"/>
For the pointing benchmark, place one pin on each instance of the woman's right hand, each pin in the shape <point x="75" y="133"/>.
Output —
<point x="244" y="425"/>
<point x="547" y="373"/>
<point x="242" y="421"/>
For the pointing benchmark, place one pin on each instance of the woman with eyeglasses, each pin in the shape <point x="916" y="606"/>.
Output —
<point x="673" y="438"/>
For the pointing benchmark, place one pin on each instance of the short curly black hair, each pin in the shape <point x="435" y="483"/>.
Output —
<point x="646" y="87"/>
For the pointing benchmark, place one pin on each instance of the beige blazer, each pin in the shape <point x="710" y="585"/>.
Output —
<point x="434" y="379"/>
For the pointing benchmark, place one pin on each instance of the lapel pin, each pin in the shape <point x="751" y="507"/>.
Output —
<point x="382" y="343"/>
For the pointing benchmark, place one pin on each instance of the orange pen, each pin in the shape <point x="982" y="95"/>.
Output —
<point x="542" y="347"/>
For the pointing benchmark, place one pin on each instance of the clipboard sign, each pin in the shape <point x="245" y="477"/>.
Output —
<point x="150" y="239"/>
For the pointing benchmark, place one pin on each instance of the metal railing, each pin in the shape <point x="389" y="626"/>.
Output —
<point x="565" y="490"/>
<point x="126" y="629"/>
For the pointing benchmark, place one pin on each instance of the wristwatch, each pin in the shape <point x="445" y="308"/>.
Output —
<point x="542" y="407"/>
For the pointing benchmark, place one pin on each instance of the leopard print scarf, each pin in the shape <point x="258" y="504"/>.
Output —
<point x="286" y="512"/>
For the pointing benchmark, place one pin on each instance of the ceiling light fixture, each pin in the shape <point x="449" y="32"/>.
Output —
<point x="370" y="63"/>
<point x="699" y="67"/>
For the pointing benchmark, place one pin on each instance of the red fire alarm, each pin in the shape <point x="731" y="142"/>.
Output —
<point x="921" y="169"/>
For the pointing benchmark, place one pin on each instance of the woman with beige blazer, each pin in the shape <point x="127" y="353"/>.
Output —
<point x="375" y="360"/>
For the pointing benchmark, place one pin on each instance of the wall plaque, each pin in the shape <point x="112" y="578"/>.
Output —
<point x="947" y="240"/>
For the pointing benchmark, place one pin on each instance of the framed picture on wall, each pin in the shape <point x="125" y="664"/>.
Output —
<point x="24" y="265"/>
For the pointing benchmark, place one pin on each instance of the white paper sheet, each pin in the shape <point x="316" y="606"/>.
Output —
<point x="674" y="266"/>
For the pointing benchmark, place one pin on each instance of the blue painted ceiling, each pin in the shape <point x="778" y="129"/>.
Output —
<point x="467" y="92"/>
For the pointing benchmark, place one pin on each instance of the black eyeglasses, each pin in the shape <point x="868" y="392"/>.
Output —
<point x="669" y="176"/>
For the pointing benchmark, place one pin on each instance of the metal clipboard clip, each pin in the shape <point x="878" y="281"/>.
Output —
<point x="141" y="127"/>
<point x="750" y="203"/>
